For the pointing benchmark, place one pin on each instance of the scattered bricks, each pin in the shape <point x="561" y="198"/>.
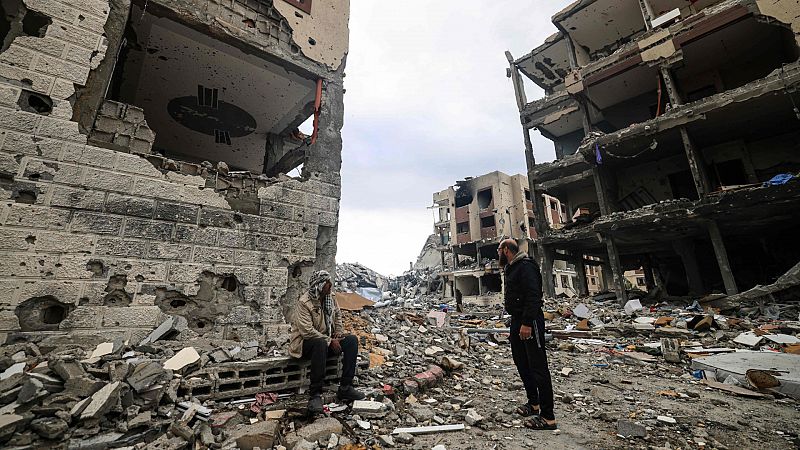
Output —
<point x="102" y="401"/>
<point x="262" y="434"/>
<point x="410" y="386"/>
<point x="627" y="428"/>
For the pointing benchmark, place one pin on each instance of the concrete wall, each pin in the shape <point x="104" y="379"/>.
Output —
<point x="323" y="35"/>
<point x="115" y="240"/>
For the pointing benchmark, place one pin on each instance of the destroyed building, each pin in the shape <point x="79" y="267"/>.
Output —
<point x="676" y="129"/>
<point x="471" y="218"/>
<point x="145" y="147"/>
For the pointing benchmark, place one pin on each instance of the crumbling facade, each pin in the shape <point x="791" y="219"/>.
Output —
<point x="145" y="147"/>
<point x="472" y="217"/>
<point x="669" y="120"/>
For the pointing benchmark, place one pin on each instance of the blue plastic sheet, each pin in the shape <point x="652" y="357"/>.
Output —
<point x="779" y="179"/>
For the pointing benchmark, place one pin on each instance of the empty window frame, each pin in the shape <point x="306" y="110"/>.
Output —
<point x="485" y="198"/>
<point x="487" y="222"/>
<point x="462" y="227"/>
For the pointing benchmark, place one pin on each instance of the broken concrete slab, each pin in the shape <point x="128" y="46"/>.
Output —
<point x="182" y="359"/>
<point x="102" y="401"/>
<point x="9" y="422"/>
<point x="14" y="369"/>
<point x="582" y="312"/>
<point x="631" y="429"/>
<point x="49" y="427"/>
<point x="66" y="369"/>
<point x="147" y="374"/>
<point x="263" y="434"/>
<point x="738" y="363"/>
<point x="473" y="418"/>
<point x="169" y="327"/>
<point x="632" y="306"/>
<point x="748" y="339"/>
<point x="320" y="429"/>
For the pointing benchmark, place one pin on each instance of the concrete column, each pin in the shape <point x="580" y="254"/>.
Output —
<point x="685" y="249"/>
<point x="601" y="188"/>
<point x="580" y="269"/>
<point x="722" y="259"/>
<point x="618" y="280"/>
<point x="548" y="285"/>
<point x="605" y="275"/>
<point x="696" y="164"/>
<point x="672" y="88"/>
<point x="480" y="286"/>
<point x="649" y="278"/>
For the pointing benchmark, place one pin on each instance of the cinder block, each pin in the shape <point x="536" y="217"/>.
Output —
<point x="30" y="266"/>
<point x="46" y="44"/>
<point x="17" y="56"/>
<point x="78" y="198"/>
<point x="84" y="317"/>
<point x="121" y="247"/>
<point x="129" y="206"/>
<point x="133" y="317"/>
<point x="177" y="252"/>
<point x="250" y="258"/>
<point x="276" y="210"/>
<point x="17" y="240"/>
<point x="108" y="181"/>
<point x="236" y="239"/>
<point x="19" y="120"/>
<point x="277" y="244"/>
<point x="197" y="235"/>
<point x="54" y="242"/>
<point x="136" y="165"/>
<point x="76" y="267"/>
<point x="95" y="223"/>
<point x="186" y="273"/>
<point x="176" y="212"/>
<point x="21" y="215"/>
<point x="63" y="69"/>
<point x="217" y="218"/>
<point x="88" y="155"/>
<point x="61" y="129"/>
<point x="275" y="277"/>
<point x="39" y="82"/>
<point x="63" y="291"/>
<point x="307" y="247"/>
<point x="148" y="229"/>
<point x="9" y="95"/>
<point x="140" y="270"/>
<point x="24" y="144"/>
<point x="213" y="255"/>
<point x="108" y="124"/>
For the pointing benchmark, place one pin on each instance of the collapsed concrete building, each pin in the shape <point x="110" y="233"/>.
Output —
<point x="145" y="147"/>
<point x="472" y="217"/>
<point x="669" y="119"/>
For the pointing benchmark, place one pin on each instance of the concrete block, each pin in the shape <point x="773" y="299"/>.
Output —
<point x="249" y="258"/>
<point x="78" y="198"/>
<point x="19" y="120"/>
<point x="88" y="155"/>
<point x="140" y="270"/>
<point x="182" y="359"/>
<point x="133" y="317"/>
<point x="21" y="215"/>
<point x="214" y="217"/>
<point x="16" y="240"/>
<point x="172" y="325"/>
<point x="186" y="273"/>
<point x="305" y="247"/>
<point x="59" y="128"/>
<point x="147" y="374"/>
<point x="320" y="429"/>
<point x="95" y="223"/>
<point x="108" y="181"/>
<point x="236" y="239"/>
<point x="46" y="44"/>
<point x="129" y="206"/>
<point x="130" y="248"/>
<point x="212" y="255"/>
<point x="263" y="434"/>
<point x="177" y="252"/>
<point x="62" y="69"/>
<point x="19" y="144"/>
<point x="136" y="165"/>
<point x="148" y="229"/>
<point x="197" y="235"/>
<point x="177" y="212"/>
<point x="35" y="266"/>
<point x="54" y="242"/>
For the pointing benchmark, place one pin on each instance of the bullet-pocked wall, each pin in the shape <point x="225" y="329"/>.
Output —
<point x="101" y="237"/>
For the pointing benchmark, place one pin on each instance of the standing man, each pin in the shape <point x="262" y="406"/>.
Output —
<point x="317" y="331"/>
<point x="523" y="300"/>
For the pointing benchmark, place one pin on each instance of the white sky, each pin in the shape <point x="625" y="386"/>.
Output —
<point x="428" y="103"/>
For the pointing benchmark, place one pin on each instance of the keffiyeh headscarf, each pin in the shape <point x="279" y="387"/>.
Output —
<point x="315" y="285"/>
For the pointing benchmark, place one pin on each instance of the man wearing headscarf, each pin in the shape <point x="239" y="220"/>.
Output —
<point x="317" y="331"/>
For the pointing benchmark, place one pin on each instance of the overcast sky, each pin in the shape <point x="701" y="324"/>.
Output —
<point x="428" y="103"/>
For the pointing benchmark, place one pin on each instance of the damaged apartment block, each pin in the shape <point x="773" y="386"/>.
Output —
<point x="145" y="147"/>
<point x="472" y="217"/>
<point x="675" y="127"/>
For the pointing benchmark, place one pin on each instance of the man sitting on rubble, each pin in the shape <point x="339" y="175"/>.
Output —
<point x="523" y="300"/>
<point x="317" y="332"/>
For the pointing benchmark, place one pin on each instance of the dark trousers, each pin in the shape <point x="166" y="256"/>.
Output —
<point x="531" y="361"/>
<point x="317" y="350"/>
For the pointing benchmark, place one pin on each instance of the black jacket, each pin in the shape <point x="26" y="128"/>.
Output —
<point x="523" y="291"/>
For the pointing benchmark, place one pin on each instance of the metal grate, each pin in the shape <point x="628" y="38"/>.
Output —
<point x="222" y="137"/>
<point x="207" y="96"/>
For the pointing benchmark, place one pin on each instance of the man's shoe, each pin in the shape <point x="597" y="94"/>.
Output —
<point x="315" y="405"/>
<point x="349" y="393"/>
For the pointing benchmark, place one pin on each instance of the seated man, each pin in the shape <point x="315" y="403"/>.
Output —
<point x="317" y="331"/>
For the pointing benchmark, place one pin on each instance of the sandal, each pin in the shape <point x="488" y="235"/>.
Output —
<point x="538" y="423"/>
<point x="527" y="410"/>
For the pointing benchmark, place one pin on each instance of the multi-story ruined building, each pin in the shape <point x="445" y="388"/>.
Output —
<point x="144" y="147"/>
<point x="471" y="218"/>
<point x="669" y="119"/>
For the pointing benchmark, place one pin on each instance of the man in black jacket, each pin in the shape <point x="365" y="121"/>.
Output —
<point x="523" y="300"/>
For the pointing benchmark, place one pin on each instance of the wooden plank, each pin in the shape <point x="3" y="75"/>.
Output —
<point x="738" y="390"/>
<point x="428" y="430"/>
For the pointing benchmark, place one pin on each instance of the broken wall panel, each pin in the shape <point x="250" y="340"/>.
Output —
<point x="112" y="240"/>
